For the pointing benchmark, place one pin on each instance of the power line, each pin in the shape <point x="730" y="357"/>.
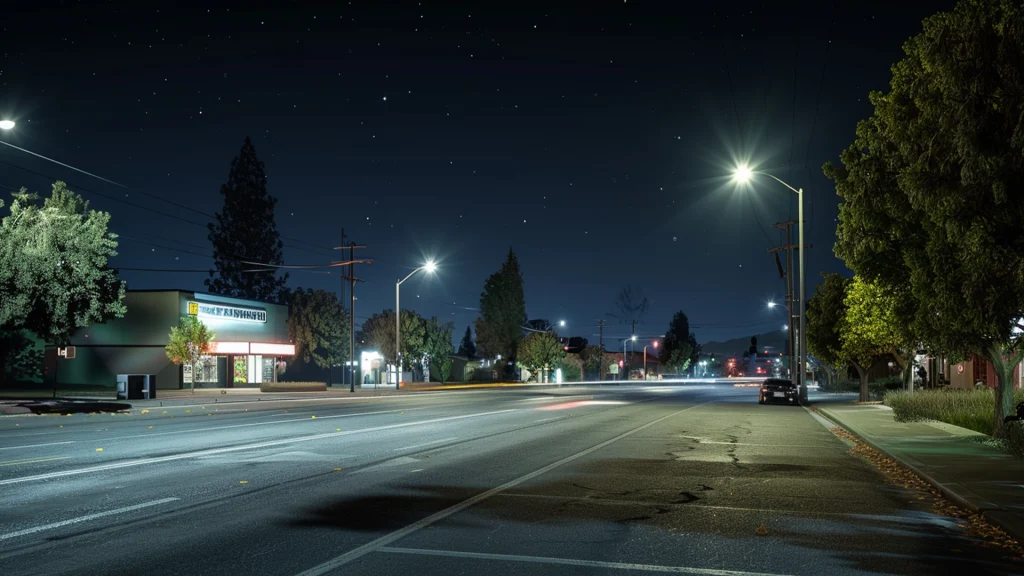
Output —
<point x="203" y="225"/>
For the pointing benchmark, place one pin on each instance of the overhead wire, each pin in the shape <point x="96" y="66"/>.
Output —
<point x="204" y="225"/>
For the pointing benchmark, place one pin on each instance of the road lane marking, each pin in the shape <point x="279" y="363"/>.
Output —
<point x="190" y="431"/>
<point x="32" y="460"/>
<point x="547" y="419"/>
<point x="387" y="539"/>
<point x="574" y="562"/>
<point x="86" y="518"/>
<point x="426" y="444"/>
<point x="37" y="445"/>
<point x="229" y="449"/>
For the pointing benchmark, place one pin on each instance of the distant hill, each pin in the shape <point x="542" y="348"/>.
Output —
<point x="776" y="339"/>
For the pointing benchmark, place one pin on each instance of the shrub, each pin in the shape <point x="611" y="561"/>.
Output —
<point x="293" y="386"/>
<point x="841" y="386"/>
<point x="971" y="409"/>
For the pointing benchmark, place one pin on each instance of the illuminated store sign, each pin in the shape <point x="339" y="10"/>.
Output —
<point x="230" y="313"/>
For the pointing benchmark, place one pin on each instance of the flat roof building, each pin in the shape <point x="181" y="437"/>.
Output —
<point x="249" y="339"/>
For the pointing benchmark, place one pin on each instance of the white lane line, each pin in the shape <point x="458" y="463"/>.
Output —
<point x="192" y="430"/>
<point x="553" y="398"/>
<point x="425" y="444"/>
<point x="547" y="419"/>
<point x="33" y="460"/>
<point x="216" y="451"/>
<point x="574" y="562"/>
<point x="86" y="518"/>
<point x="265" y="402"/>
<point x="383" y="541"/>
<point x="37" y="445"/>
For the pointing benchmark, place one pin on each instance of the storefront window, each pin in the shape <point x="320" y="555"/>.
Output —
<point x="268" y="369"/>
<point x="241" y="370"/>
<point x="207" y="369"/>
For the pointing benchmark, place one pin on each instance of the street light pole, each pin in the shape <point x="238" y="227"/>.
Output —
<point x="803" y="306"/>
<point x="655" y="344"/>
<point x="743" y="174"/>
<point x="430" y="267"/>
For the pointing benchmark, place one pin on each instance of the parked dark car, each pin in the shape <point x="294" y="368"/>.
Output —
<point x="781" y="390"/>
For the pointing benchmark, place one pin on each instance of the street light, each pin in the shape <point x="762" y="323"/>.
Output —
<point x="624" y="342"/>
<point x="6" y="124"/>
<point x="742" y="174"/>
<point x="561" y="323"/>
<point x="771" y="305"/>
<point x="653" y="343"/>
<point x="430" y="267"/>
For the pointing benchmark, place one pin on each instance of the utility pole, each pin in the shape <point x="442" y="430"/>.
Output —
<point x="341" y="298"/>
<point x="600" y="340"/>
<point x="351" y="277"/>
<point x="788" y="247"/>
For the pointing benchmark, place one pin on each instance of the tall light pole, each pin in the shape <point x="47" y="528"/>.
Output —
<point x="743" y="174"/>
<point x="429" y="268"/>
<point x="654" y="343"/>
<point x="625" y="365"/>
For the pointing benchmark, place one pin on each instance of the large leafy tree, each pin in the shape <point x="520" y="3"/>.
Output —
<point x="679" y="348"/>
<point x="466" y="347"/>
<point x="54" y="274"/>
<point x="541" y="352"/>
<point x="438" y="348"/>
<point x="245" y="235"/>
<point x="502" y="311"/>
<point x="317" y="325"/>
<point x="826" y="313"/>
<point x="188" y="342"/>
<point x="379" y="333"/>
<point x="932" y="186"/>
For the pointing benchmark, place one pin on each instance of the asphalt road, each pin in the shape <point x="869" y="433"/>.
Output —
<point x="695" y="479"/>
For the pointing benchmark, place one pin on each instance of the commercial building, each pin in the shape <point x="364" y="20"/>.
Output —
<point x="250" y="339"/>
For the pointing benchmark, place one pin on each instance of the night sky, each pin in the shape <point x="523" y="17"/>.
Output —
<point x="595" y="139"/>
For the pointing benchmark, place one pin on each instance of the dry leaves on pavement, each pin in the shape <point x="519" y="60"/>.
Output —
<point x="895" y="473"/>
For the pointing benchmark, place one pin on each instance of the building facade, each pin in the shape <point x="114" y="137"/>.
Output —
<point x="250" y="339"/>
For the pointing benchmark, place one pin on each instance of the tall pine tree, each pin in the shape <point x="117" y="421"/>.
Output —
<point x="245" y="234"/>
<point x="502" y="311"/>
<point x="467" y="348"/>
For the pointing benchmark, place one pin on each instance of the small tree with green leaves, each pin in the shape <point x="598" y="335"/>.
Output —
<point x="870" y="328"/>
<point x="438" y="348"/>
<point x="189" y="341"/>
<point x="591" y="359"/>
<point x="540" y="351"/>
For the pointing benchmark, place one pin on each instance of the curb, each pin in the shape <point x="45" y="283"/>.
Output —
<point x="946" y="492"/>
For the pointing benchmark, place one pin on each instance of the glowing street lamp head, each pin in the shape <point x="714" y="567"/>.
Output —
<point x="742" y="174"/>
<point x="771" y="304"/>
<point x="633" y="338"/>
<point x="430" y="267"/>
<point x="6" y="124"/>
<point x="655" y="343"/>
<point x="561" y="323"/>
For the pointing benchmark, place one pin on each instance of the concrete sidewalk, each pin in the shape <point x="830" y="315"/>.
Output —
<point x="976" y="476"/>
